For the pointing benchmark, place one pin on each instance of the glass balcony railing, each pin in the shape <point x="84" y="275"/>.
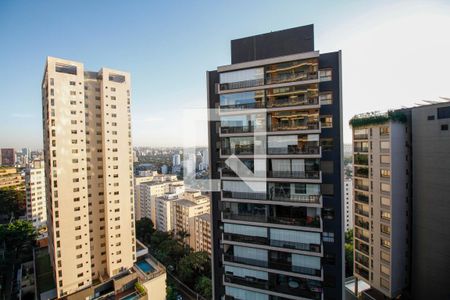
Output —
<point x="300" y="221"/>
<point x="285" y="197"/>
<point x="361" y="212"/>
<point x="294" y="174"/>
<point x="364" y="260"/>
<point x="361" y="172"/>
<point x="361" y="187"/>
<point x="236" y="129"/>
<point x="271" y="242"/>
<point x="248" y="105"/>
<point x="292" y="101"/>
<point x="361" y="271"/>
<point x="295" y="127"/>
<point x="241" y="84"/>
<point x="362" y="247"/>
<point x="312" y="199"/>
<point x="361" y="236"/>
<point x="273" y="264"/>
<point x="290" y="77"/>
<point x="361" y="198"/>
<point x="362" y="136"/>
<point x="361" y="159"/>
<point x="294" y="149"/>
<point x="299" y="290"/>
<point x="238" y="150"/>
<point x="244" y="195"/>
<point x="361" y="149"/>
<point x="362" y="224"/>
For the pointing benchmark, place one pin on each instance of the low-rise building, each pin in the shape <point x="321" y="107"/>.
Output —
<point x="35" y="194"/>
<point x="9" y="177"/>
<point x="200" y="233"/>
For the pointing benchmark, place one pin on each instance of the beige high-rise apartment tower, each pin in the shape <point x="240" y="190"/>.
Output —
<point x="89" y="173"/>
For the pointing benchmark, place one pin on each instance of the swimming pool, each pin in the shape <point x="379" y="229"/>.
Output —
<point x="145" y="266"/>
<point x="133" y="296"/>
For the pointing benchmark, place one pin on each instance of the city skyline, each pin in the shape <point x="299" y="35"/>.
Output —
<point x="169" y="70"/>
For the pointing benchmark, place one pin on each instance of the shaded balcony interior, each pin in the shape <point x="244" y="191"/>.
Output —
<point x="243" y="145"/>
<point x="362" y="247"/>
<point x="361" y="197"/>
<point x="271" y="259"/>
<point x="285" y="72"/>
<point x="307" y="288"/>
<point x="361" y="147"/>
<point x="293" y="144"/>
<point x="283" y="238"/>
<point x="294" y="120"/>
<point x="361" y="172"/>
<point x="361" y="159"/>
<point x="362" y="184"/>
<point x="360" y="134"/>
<point x="308" y="168"/>
<point x="274" y="191"/>
<point x="243" y="123"/>
<point x="275" y="214"/>
<point x="293" y="96"/>
<point x="362" y="209"/>
<point x="253" y="99"/>
<point x="362" y="234"/>
<point x="361" y="271"/>
<point x="362" y="222"/>
<point x="362" y="259"/>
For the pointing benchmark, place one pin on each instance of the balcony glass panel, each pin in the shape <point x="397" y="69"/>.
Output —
<point x="233" y="293"/>
<point x="361" y="222"/>
<point x="361" y="134"/>
<point x="276" y="214"/>
<point x="240" y="190"/>
<point x="238" y="145"/>
<point x="361" y="172"/>
<point x="242" y="123"/>
<point x="361" y="147"/>
<point x="363" y="247"/>
<point x="362" y="234"/>
<point x="243" y="100"/>
<point x="293" y="144"/>
<point x="361" y="159"/>
<point x="362" y="184"/>
<point x="300" y="240"/>
<point x="294" y="168"/>
<point x="293" y="95"/>
<point x="294" y="120"/>
<point x="248" y="163"/>
<point x="292" y="71"/>
<point x="295" y="192"/>
<point x="362" y="259"/>
<point x="362" y="271"/>
<point x="242" y="79"/>
<point x="361" y="209"/>
<point x="361" y="197"/>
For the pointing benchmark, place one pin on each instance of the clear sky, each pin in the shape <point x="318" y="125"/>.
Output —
<point x="394" y="53"/>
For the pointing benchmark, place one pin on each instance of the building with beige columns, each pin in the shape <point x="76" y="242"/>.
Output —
<point x="200" y="233"/>
<point x="88" y="170"/>
<point x="35" y="194"/>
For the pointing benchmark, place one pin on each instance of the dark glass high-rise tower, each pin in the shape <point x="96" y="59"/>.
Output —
<point x="286" y="242"/>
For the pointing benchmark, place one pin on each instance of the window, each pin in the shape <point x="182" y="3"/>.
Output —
<point x="328" y="237"/>
<point x="326" y="121"/>
<point x="430" y="118"/>
<point x="443" y="112"/>
<point x="385" y="201"/>
<point x="384" y="145"/>
<point x="327" y="166"/>
<point x="385" y="159"/>
<point x="385" y="173"/>
<point x="384" y="283"/>
<point x="325" y="74"/>
<point x="72" y="83"/>
<point x="385" y="243"/>
<point x="385" y="256"/>
<point x="328" y="189"/>
<point x="63" y="68"/>
<point x="327" y="144"/>
<point x="385" y="270"/>
<point x="386" y="215"/>
<point x="384" y="130"/>
<point x="326" y="98"/>
<point x="444" y="127"/>
<point x="385" y="187"/>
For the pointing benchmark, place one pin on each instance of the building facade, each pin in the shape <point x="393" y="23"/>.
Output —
<point x="285" y="243"/>
<point x="200" y="233"/>
<point x="35" y="194"/>
<point x="10" y="178"/>
<point x="190" y="205"/>
<point x="8" y="156"/>
<point x="348" y="205"/>
<point x="381" y="193"/>
<point x="87" y="128"/>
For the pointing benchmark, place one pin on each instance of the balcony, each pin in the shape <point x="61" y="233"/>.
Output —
<point x="361" y="198"/>
<point x="361" y="149"/>
<point x="236" y="129"/>
<point x="294" y="150"/>
<point x="271" y="242"/>
<point x="361" y="172"/>
<point x="292" y="101"/>
<point x="299" y="289"/>
<point x="238" y="106"/>
<point x="273" y="264"/>
<point x="307" y="199"/>
<point x="361" y="271"/>
<point x="361" y="223"/>
<point x="361" y="247"/>
<point x="362" y="136"/>
<point x="291" y="77"/>
<point x="295" y="174"/>
<point x="295" y="127"/>
<point x="361" y="159"/>
<point x="244" y="195"/>
<point x="361" y="187"/>
<point x="361" y="212"/>
<point x="238" y="150"/>
<point x="241" y="84"/>
<point x="361" y="236"/>
<point x="363" y="260"/>
<point x="309" y="221"/>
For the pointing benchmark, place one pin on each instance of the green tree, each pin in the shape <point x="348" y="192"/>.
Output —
<point x="18" y="235"/>
<point x="12" y="201"/>
<point x="182" y="237"/>
<point x="349" y="253"/>
<point x="194" y="265"/>
<point x="204" y="287"/>
<point x="144" y="230"/>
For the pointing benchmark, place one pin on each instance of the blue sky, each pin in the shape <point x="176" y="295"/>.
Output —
<point x="394" y="54"/>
